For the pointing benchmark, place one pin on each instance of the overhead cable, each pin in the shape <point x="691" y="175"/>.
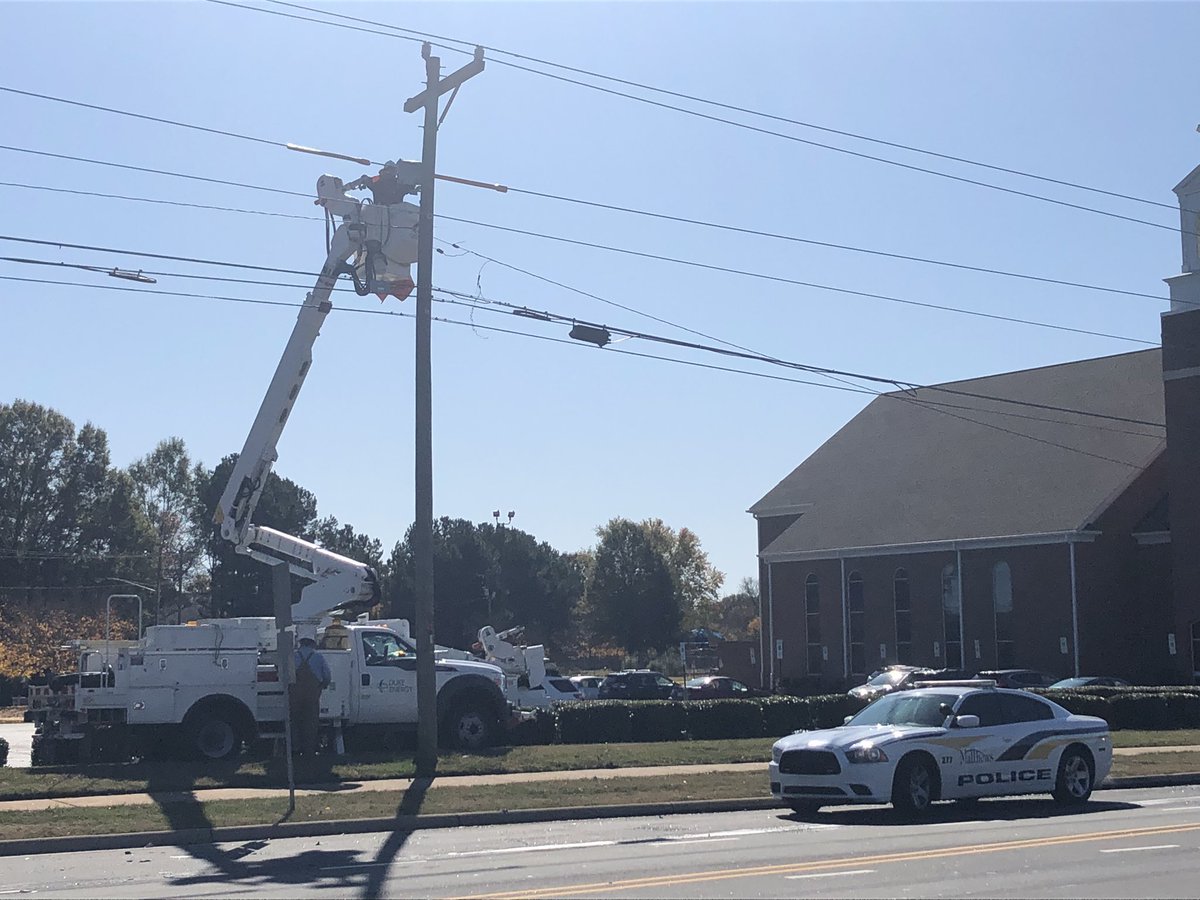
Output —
<point x="716" y="103"/>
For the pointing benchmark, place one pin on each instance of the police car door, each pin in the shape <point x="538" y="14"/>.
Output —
<point x="387" y="690"/>
<point x="975" y="750"/>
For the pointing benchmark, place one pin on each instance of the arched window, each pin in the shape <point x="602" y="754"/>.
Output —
<point x="1002" y="606"/>
<point x="812" y="622"/>
<point x="902" y="600"/>
<point x="952" y="616"/>
<point x="856" y="612"/>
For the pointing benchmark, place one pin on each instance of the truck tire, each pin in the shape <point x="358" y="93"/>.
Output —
<point x="471" y="725"/>
<point x="211" y="732"/>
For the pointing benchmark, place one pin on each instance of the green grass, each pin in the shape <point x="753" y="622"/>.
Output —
<point x="373" y="804"/>
<point x="20" y="784"/>
<point x="1156" y="763"/>
<point x="1184" y="737"/>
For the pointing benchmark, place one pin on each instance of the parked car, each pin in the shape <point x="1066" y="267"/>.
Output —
<point x="640" y="684"/>
<point x="955" y="742"/>
<point x="559" y="690"/>
<point x="588" y="685"/>
<point x="901" y="677"/>
<point x="1019" y="678"/>
<point x="1089" y="681"/>
<point x="719" y="687"/>
<point x="893" y="678"/>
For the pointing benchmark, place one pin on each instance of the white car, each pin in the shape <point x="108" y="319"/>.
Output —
<point x="588" y="685"/>
<point x="957" y="741"/>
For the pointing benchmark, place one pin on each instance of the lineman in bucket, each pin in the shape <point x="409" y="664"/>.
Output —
<point x="312" y="677"/>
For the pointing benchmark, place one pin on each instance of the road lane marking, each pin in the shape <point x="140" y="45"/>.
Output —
<point x="830" y="874"/>
<point x="687" y="842"/>
<point x="634" y="884"/>
<point x="1136" y="849"/>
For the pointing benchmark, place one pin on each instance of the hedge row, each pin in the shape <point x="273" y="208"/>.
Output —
<point x="3" y="752"/>
<point x="623" y="721"/>
<point x="1130" y="708"/>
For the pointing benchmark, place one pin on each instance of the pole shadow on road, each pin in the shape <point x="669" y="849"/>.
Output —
<point x="184" y="810"/>
<point x="952" y="811"/>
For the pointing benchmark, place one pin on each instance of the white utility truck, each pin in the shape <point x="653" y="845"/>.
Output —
<point x="209" y="686"/>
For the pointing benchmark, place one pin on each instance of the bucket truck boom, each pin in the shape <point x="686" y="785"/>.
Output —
<point x="382" y="239"/>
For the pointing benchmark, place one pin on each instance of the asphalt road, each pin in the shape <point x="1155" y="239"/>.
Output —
<point x="1124" y="844"/>
<point x="20" y="743"/>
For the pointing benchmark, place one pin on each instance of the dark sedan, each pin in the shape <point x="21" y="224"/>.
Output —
<point x="719" y="687"/>
<point x="1019" y="678"/>
<point x="640" y="684"/>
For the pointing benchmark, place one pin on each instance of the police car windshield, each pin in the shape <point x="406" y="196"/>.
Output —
<point x="906" y="709"/>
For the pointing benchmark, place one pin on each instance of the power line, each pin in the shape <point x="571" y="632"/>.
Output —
<point x="232" y="209"/>
<point x="133" y="115"/>
<point x="636" y="311"/>
<point x="483" y="303"/>
<point x="732" y="122"/>
<point x="779" y="279"/>
<point x="818" y="370"/>
<point x="816" y="243"/>
<point x="811" y="369"/>
<point x="736" y="229"/>
<point x="729" y="270"/>
<point x="114" y="165"/>
<point x="715" y="103"/>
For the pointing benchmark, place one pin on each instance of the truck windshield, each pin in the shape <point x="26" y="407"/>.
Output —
<point x="906" y="709"/>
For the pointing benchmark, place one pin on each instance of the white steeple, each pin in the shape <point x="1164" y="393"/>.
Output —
<point x="1185" y="288"/>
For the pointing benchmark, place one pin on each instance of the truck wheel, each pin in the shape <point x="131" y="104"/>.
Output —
<point x="470" y="726"/>
<point x="211" y="734"/>
<point x="1075" y="776"/>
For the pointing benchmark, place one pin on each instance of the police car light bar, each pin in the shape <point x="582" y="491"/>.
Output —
<point x="963" y="682"/>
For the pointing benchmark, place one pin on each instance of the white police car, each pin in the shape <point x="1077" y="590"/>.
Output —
<point x="952" y="741"/>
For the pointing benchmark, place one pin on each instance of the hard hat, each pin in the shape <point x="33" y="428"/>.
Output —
<point x="306" y="633"/>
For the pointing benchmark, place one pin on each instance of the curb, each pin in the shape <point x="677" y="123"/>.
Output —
<point x="1180" y="779"/>
<point x="184" y="837"/>
<point x="188" y="836"/>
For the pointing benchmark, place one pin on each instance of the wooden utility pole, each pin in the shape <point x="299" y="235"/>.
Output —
<point x="435" y="87"/>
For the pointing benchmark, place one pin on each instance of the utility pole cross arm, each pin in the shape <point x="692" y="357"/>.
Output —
<point x="447" y="84"/>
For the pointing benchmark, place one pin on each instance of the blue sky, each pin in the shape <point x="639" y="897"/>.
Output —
<point x="570" y="436"/>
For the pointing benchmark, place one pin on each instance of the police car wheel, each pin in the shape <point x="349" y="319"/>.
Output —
<point x="1075" y="777"/>
<point x="914" y="787"/>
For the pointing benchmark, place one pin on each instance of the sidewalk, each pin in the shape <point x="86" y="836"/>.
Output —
<point x="403" y="784"/>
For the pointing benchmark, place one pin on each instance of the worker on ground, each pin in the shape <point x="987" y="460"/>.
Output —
<point x="312" y="677"/>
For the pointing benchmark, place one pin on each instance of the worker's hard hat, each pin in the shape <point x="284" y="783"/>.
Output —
<point x="306" y="633"/>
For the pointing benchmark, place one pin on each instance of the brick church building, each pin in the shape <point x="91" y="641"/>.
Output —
<point x="1046" y="518"/>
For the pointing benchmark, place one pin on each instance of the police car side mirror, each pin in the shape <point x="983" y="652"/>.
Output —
<point x="846" y="721"/>
<point x="967" y="721"/>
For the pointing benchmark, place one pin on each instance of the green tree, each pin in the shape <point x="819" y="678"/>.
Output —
<point x="464" y="569"/>
<point x="66" y="518"/>
<point x="241" y="586"/>
<point x="345" y="540"/>
<point x="165" y="483"/>
<point x="489" y="575"/>
<point x="532" y="585"/>
<point x="631" y="593"/>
